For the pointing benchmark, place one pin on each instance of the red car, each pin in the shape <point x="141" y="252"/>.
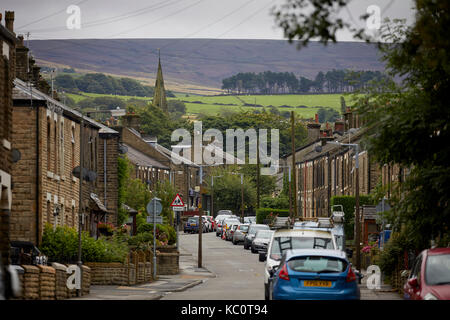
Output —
<point x="430" y="276"/>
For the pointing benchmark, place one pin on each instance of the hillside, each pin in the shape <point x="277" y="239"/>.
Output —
<point x="199" y="65"/>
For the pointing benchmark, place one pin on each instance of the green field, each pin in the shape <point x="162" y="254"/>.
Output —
<point x="211" y="105"/>
<point x="310" y="103"/>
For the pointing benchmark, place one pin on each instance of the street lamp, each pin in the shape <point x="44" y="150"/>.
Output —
<point x="355" y="147"/>
<point x="212" y="193"/>
<point x="242" y="195"/>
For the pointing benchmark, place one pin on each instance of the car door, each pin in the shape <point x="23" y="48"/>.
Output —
<point x="413" y="293"/>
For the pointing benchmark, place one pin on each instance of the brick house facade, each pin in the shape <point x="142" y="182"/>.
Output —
<point x="7" y="64"/>
<point x="47" y="133"/>
<point x="330" y="172"/>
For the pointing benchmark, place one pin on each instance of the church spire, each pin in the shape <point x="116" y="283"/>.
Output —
<point x="159" y="97"/>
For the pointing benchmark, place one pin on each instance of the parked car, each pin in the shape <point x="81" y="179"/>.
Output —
<point x="206" y="224"/>
<point x="261" y="240"/>
<point x="210" y="223"/>
<point x="239" y="233"/>
<point x="231" y="230"/>
<point x="220" y="215"/>
<point x="250" y="219"/>
<point x="311" y="274"/>
<point x="227" y="222"/>
<point x="286" y="239"/>
<point x="25" y="252"/>
<point x="252" y="232"/>
<point x="191" y="225"/>
<point x="430" y="276"/>
<point x="218" y="219"/>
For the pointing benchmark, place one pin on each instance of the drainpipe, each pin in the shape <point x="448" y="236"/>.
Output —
<point x="104" y="171"/>
<point x="38" y="174"/>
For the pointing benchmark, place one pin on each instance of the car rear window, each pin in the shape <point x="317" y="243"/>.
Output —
<point x="192" y="220"/>
<point x="317" y="264"/>
<point x="281" y="244"/>
<point x="254" y="228"/>
<point x="437" y="270"/>
<point x="243" y="228"/>
<point x="264" y="234"/>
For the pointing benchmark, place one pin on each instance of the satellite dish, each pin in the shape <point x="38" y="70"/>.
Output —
<point x="16" y="155"/>
<point x="123" y="149"/>
<point x="91" y="176"/>
<point x="318" y="148"/>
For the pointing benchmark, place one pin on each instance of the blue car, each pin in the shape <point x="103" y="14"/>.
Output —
<point x="314" y="274"/>
<point x="191" y="225"/>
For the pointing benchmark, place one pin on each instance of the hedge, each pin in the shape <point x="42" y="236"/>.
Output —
<point x="348" y="203"/>
<point x="262" y="213"/>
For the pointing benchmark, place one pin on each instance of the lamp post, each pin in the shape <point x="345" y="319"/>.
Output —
<point x="212" y="193"/>
<point x="242" y="195"/>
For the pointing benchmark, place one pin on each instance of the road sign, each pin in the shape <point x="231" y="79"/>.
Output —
<point x="177" y="201"/>
<point x="178" y="208"/>
<point x="151" y="206"/>
<point x="158" y="219"/>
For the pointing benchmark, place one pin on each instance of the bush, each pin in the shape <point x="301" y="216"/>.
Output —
<point x="164" y="232"/>
<point x="61" y="245"/>
<point x="393" y="252"/>
<point x="262" y="213"/>
<point x="348" y="203"/>
<point x="280" y="202"/>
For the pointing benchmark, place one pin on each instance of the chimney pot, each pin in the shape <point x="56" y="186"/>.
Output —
<point x="317" y="118"/>
<point x="9" y="20"/>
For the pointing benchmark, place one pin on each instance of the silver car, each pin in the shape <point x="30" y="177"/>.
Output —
<point x="261" y="240"/>
<point x="239" y="233"/>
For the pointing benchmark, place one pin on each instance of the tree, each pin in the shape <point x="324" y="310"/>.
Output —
<point x="227" y="191"/>
<point x="407" y="122"/>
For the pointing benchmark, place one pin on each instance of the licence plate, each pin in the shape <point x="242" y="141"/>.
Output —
<point x="193" y="224"/>
<point x="317" y="283"/>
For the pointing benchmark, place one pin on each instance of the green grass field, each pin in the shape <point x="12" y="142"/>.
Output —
<point x="211" y="105"/>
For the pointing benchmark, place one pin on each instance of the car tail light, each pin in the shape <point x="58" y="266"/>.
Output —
<point x="284" y="273"/>
<point x="350" y="275"/>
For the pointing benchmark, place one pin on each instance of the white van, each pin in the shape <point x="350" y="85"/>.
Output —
<point x="286" y="239"/>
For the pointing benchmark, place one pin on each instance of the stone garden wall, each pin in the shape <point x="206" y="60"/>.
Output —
<point x="49" y="282"/>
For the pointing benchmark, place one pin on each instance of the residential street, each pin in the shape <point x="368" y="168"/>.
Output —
<point x="239" y="274"/>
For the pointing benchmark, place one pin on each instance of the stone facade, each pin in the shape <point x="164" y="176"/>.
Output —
<point x="7" y="67"/>
<point x="47" y="134"/>
<point x="330" y="172"/>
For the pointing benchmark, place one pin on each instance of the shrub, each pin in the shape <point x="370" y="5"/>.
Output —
<point x="164" y="232"/>
<point x="262" y="213"/>
<point x="61" y="245"/>
<point x="280" y="202"/>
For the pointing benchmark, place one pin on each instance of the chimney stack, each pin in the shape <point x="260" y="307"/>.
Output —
<point x="317" y="118"/>
<point x="339" y="126"/>
<point x="9" y="20"/>
<point x="313" y="131"/>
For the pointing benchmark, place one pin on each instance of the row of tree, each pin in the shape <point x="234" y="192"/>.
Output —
<point x="103" y="84"/>
<point x="268" y="82"/>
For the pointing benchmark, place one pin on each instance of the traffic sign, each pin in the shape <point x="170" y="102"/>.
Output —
<point x="154" y="208"/>
<point x="157" y="220"/>
<point x="178" y="208"/>
<point x="177" y="201"/>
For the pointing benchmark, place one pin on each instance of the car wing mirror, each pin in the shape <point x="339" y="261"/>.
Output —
<point x="413" y="282"/>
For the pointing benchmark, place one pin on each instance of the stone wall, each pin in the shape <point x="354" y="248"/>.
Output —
<point x="167" y="263"/>
<point x="49" y="282"/>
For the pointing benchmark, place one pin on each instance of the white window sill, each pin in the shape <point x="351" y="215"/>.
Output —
<point x="50" y="174"/>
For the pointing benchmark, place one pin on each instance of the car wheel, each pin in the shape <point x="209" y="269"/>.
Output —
<point x="245" y="245"/>
<point x="234" y="242"/>
<point x="253" y="250"/>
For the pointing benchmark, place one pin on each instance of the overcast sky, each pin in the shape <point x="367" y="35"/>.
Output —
<point x="220" y="19"/>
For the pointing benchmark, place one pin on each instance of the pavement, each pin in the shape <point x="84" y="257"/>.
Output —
<point x="189" y="276"/>
<point x="385" y="292"/>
